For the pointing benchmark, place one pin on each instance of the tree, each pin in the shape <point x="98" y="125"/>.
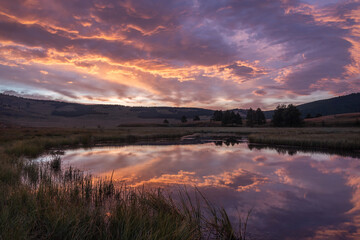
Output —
<point x="255" y="117"/>
<point x="231" y="118"/>
<point x="250" y="117"/>
<point x="292" y="116"/>
<point x="217" y="116"/>
<point x="286" y="116"/>
<point x="196" y="118"/>
<point x="260" y="117"/>
<point x="183" y="119"/>
<point x="277" y="119"/>
<point x="238" y="119"/>
<point x="226" y="118"/>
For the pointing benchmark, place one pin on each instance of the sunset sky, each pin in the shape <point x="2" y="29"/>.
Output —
<point x="217" y="54"/>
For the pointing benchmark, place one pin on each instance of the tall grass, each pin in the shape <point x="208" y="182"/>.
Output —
<point x="72" y="205"/>
<point x="339" y="141"/>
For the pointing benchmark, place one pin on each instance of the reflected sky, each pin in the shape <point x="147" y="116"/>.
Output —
<point x="299" y="196"/>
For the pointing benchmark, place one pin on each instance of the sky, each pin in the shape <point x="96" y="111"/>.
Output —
<point x="217" y="54"/>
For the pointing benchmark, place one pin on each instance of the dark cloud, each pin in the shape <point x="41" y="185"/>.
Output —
<point x="260" y="92"/>
<point x="323" y="49"/>
<point x="239" y="70"/>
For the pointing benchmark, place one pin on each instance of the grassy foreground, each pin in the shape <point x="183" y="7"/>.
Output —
<point x="70" y="205"/>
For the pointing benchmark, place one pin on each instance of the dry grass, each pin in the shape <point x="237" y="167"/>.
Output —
<point x="71" y="205"/>
<point x="338" y="120"/>
<point x="32" y="142"/>
<point x="323" y="138"/>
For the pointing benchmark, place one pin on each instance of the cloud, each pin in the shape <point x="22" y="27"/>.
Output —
<point x="191" y="53"/>
<point x="259" y="92"/>
<point x="259" y="159"/>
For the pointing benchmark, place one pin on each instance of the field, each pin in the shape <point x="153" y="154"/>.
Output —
<point x="316" y="138"/>
<point x="338" y="120"/>
<point x="37" y="201"/>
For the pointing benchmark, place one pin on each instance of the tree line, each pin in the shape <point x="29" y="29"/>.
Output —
<point x="255" y="117"/>
<point x="227" y="117"/>
<point x="231" y="118"/>
<point x="284" y="116"/>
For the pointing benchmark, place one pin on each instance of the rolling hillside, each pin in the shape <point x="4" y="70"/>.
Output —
<point x="42" y="113"/>
<point x="337" y="105"/>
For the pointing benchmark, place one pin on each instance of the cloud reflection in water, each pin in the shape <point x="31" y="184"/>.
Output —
<point x="297" y="196"/>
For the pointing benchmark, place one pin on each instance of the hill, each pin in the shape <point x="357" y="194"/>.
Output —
<point x="332" y="106"/>
<point x="338" y="105"/>
<point x="42" y="113"/>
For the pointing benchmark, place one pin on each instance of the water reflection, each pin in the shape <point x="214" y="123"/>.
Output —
<point x="294" y="194"/>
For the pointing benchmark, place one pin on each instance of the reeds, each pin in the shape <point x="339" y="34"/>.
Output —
<point x="69" y="204"/>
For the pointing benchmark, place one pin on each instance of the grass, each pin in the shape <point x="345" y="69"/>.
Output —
<point x="338" y="120"/>
<point x="71" y="205"/>
<point x="339" y="139"/>
<point x="32" y="142"/>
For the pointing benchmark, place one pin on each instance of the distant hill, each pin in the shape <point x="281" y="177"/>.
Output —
<point x="43" y="113"/>
<point x="337" y="105"/>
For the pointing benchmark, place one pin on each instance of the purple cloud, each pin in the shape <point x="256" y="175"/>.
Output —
<point x="203" y="53"/>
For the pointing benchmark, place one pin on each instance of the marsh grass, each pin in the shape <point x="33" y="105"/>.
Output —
<point x="55" y="163"/>
<point x="33" y="142"/>
<point x="72" y="205"/>
<point x="332" y="140"/>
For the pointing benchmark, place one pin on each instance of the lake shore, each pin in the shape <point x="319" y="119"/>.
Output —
<point x="33" y="141"/>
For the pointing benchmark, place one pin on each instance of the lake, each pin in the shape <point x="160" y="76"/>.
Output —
<point x="293" y="194"/>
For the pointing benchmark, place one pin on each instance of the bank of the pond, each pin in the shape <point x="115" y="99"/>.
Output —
<point x="32" y="142"/>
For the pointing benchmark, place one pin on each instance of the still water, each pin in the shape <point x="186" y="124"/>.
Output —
<point x="293" y="194"/>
